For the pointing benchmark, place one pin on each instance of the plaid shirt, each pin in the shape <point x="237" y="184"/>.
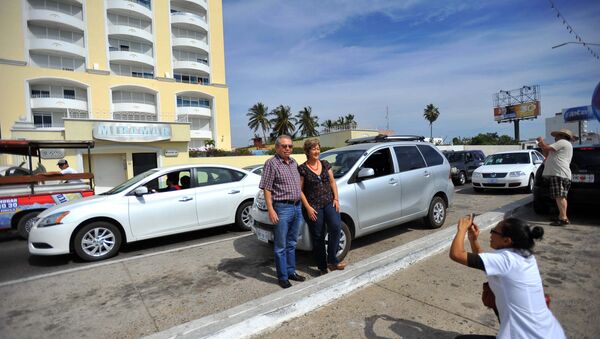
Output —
<point x="282" y="179"/>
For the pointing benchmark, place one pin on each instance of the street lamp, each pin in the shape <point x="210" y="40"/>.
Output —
<point x="575" y="42"/>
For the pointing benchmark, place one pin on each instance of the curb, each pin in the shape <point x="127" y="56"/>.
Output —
<point x="258" y="315"/>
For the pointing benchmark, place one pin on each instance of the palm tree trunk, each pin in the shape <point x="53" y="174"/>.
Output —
<point x="431" y="132"/>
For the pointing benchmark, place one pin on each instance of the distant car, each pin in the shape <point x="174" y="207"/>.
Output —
<point x="381" y="183"/>
<point x="585" y="181"/>
<point x="508" y="170"/>
<point x="463" y="163"/>
<point x="256" y="169"/>
<point x="145" y="207"/>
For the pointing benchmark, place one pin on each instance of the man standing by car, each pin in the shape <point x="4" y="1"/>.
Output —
<point x="281" y="184"/>
<point x="556" y="169"/>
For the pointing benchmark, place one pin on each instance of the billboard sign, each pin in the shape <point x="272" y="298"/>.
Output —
<point x="596" y="101"/>
<point x="527" y="110"/>
<point x="578" y="113"/>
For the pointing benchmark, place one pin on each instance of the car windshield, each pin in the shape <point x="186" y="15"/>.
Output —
<point x="586" y="158"/>
<point x="454" y="157"/>
<point x="120" y="188"/>
<point x="507" y="159"/>
<point x="341" y="161"/>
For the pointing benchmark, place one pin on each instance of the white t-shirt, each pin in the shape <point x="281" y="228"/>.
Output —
<point x="69" y="170"/>
<point x="559" y="160"/>
<point x="517" y="285"/>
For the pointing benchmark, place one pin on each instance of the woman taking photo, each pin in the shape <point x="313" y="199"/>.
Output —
<point x="513" y="276"/>
<point x="321" y="206"/>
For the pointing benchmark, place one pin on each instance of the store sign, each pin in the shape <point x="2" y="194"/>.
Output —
<point x="171" y="153"/>
<point x="578" y="113"/>
<point x="52" y="153"/>
<point x="131" y="132"/>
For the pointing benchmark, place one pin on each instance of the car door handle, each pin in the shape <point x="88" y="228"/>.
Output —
<point x="393" y="181"/>
<point x="427" y="174"/>
<point x="184" y="199"/>
<point x="234" y="192"/>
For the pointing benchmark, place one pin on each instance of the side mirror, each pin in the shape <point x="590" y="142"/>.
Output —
<point x="138" y="192"/>
<point x="480" y="163"/>
<point x="366" y="172"/>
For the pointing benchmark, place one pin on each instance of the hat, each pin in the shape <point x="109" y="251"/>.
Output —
<point x="61" y="162"/>
<point x="565" y="132"/>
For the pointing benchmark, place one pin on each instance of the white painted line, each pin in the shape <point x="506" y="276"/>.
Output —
<point x="87" y="267"/>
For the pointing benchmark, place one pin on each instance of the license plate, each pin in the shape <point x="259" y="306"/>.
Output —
<point x="493" y="180"/>
<point x="263" y="235"/>
<point x="588" y="178"/>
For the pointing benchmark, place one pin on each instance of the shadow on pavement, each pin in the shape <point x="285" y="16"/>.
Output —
<point x="385" y="326"/>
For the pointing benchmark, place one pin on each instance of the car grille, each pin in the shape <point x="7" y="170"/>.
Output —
<point x="494" y="185"/>
<point x="494" y="175"/>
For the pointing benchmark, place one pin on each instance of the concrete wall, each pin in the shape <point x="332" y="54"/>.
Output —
<point x="487" y="149"/>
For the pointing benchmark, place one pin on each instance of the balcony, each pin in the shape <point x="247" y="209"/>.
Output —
<point x="60" y="19"/>
<point x="191" y="44"/>
<point x="57" y="47"/>
<point x="131" y="8"/>
<point x="134" y="107"/>
<point x="189" y="19"/>
<point x="189" y="112"/>
<point x="131" y="58"/>
<point x="200" y="134"/>
<point x="191" y="65"/>
<point x="201" y="3"/>
<point x="58" y="102"/>
<point x="130" y="33"/>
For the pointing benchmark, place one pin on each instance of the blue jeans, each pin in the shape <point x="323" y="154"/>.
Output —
<point x="328" y="220"/>
<point x="286" y="237"/>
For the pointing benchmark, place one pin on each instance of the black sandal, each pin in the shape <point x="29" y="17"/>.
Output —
<point x="560" y="222"/>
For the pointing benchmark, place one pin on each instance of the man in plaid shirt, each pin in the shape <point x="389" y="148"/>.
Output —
<point x="281" y="184"/>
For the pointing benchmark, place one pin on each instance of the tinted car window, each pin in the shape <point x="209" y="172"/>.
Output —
<point x="341" y="161"/>
<point x="508" y="159"/>
<point x="214" y="176"/>
<point x="432" y="157"/>
<point x="455" y="157"/>
<point x="381" y="162"/>
<point x="408" y="158"/>
<point x="587" y="158"/>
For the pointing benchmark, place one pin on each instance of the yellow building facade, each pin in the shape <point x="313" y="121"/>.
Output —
<point x="144" y="79"/>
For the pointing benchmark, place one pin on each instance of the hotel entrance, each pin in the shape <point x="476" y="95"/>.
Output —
<point x="143" y="162"/>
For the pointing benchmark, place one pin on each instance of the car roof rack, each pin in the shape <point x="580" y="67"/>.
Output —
<point x="384" y="138"/>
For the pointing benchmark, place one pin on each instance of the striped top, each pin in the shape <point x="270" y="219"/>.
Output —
<point x="281" y="178"/>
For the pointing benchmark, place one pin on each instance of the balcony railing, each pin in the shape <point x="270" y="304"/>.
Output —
<point x="64" y="96"/>
<point x="145" y="3"/>
<point x="135" y="116"/>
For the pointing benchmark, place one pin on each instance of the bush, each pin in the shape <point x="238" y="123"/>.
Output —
<point x="216" y="152"/>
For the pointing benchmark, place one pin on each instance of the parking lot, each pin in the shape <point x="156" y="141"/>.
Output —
<point x="157" y="284"/>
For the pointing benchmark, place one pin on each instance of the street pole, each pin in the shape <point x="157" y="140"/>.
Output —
<point x="517" y="137"/>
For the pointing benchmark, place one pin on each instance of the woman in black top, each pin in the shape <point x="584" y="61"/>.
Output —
<point x="321" y="206"/>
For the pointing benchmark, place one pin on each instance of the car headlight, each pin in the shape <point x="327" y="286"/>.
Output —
<point x="454" y="170"/>
<point x="477" y="175"/>
<point x="53" y="219"/>
<point x="259" y="201"/>
<point x="516" y="174"/>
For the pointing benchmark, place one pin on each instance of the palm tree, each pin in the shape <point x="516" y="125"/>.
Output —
<point x="259" y="118"/>
<point x="283" y="122"/>
<point x="328" y="124"/>
<point x="431" y="113"/>
<point x="307" y="123"/>
<point x="350" y="121"/>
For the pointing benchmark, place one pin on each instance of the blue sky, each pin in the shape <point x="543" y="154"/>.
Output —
<point x="357" y="57"/>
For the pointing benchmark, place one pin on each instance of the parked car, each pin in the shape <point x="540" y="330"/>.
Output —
<point x="256" y="169"/>
<point x="463" y="163"/>
<point x="382" y="182"/>
<point x="585" y="181"/>
<point x="145" y="207"/>
<point x="508" y="170"/>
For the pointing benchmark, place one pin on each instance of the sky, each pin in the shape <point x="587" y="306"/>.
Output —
<point x="362" y="57"/>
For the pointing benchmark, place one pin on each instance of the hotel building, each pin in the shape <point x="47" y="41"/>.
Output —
<point x="144" y="79"/>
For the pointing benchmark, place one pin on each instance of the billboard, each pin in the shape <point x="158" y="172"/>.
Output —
<point x="527" y="110"/>
<point x="578" y="113"/>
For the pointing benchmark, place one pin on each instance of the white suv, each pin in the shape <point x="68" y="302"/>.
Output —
<point x="382" y="182"/>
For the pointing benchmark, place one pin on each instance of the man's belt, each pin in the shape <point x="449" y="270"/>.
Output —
<point x="289" y="202"/>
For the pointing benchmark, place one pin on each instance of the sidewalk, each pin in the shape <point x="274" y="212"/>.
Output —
<point x="437" y="298"/>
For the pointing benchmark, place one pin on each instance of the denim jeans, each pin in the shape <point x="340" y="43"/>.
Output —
<point x="328" y="220"/>
<point x="286" y="237"/>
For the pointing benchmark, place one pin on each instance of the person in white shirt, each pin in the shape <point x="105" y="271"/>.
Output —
<point x="65" y="169"/>
<point x="513" y="276"/>
<point x="557" y="170"/>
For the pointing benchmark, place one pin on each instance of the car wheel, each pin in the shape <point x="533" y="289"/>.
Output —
<point x="97" y="241"/>
<point x="530" y="183"/>
<point x="26" y="223"/>
<point x="477" y="189"/>
<point x="462" y="178"/>
<point x="345" y="242"/>
<point x="437" y="213"/>
<point x="243" y="219"/>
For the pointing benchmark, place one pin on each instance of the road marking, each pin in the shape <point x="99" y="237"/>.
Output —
<point x="71" y="270"/>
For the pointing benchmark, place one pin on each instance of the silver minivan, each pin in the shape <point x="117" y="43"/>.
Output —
<point x="382" y="181"/>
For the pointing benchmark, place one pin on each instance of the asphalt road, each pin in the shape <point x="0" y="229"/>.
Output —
<point x="154" y="285"/>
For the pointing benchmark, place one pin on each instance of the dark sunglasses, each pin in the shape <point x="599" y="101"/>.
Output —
<point x="496" y="232"/>
<point x="286" y="146"/>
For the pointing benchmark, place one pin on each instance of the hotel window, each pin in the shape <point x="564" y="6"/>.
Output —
<point x="42" y="120"/>
<point x="69" y="93"/>
<point x="40" y="93"/>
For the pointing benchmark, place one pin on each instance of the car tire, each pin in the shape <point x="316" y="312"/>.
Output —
<point x="243" y="219"/>
<point x="97" y="241"/>
<point x="436" y="216"/>
<point x="345" y="242"/>
<point x="477" y="189"/>
<point x="26" y="223"/>
<point x="462" y="178"/>
<point x="530" y="184"/>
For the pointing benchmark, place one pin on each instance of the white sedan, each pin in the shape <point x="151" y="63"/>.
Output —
<point x="508" y="170"/>
<point x="152" y="204"/>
